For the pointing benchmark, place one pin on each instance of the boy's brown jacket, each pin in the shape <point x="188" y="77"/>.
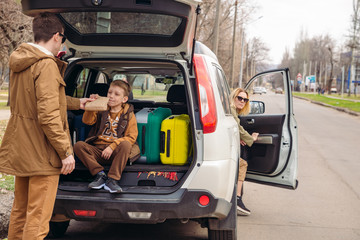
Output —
<point x="37" y="135"/>
<point x="127" y="128"/>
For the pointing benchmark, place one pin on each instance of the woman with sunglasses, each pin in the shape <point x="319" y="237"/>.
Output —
<point x="240" y="106"/>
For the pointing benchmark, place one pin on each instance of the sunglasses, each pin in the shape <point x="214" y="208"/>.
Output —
<point x="242" y="99"/>
<point x="63" y="37"/>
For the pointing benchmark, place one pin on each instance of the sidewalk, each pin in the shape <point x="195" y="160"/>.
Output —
<point x="4" y="114"/>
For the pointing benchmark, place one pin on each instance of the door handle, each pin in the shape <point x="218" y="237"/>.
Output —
<point x="250" y="121"/>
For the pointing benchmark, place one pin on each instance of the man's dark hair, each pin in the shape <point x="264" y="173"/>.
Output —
<point x="45" y="25"/>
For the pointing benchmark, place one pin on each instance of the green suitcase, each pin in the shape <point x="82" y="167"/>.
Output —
<point x="149" y="123"/>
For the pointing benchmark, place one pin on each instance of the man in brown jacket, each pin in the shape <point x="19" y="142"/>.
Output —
<point x="36" y="147"/>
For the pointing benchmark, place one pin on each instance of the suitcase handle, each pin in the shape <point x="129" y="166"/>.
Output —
<point x="162" y="142"/>
<point x="143" y="140"/>
<point x="168" y="143"/>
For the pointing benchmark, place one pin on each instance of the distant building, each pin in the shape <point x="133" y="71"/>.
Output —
<point x="352" y="73"/>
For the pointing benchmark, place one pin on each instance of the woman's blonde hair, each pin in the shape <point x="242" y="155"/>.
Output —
<point x="246" y="109"/>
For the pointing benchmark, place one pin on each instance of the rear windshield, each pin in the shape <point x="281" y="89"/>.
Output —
<point x="122" y="23"/>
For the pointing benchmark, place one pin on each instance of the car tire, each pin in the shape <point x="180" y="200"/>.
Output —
<point x="58" y="229"/>
<point x="229" y="223"/>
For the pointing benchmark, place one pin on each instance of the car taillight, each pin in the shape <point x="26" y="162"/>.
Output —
<point x="206" y="95"/>
<point x="85" y="213"/>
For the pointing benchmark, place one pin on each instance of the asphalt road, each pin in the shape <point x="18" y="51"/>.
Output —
<point x="326" y="203"/>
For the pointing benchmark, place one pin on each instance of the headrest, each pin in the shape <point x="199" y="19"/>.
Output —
<point x="99" y="88"/>
<point x="176" y="93"/>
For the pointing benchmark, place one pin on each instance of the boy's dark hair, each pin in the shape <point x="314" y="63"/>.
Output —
<point x="122" y="84"/>
<point x="45" y="25"/>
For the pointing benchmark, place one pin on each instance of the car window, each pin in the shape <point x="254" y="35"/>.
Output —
<point x="152" y="88"/>
<point x="122" y="22"/>
<point x="101" y="78"/>
<point x="223" y="89"/>
<point x="81" y="83"/>
<point x="270" y="90"/>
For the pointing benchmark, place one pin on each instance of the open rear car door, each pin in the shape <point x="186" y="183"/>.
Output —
<point x="273" y="157"/>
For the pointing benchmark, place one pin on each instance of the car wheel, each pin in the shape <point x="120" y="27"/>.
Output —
<point x="58" y="229"/>
<point x="226" y="229"/>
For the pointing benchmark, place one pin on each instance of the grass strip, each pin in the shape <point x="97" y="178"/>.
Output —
<point x="343" y="103"/>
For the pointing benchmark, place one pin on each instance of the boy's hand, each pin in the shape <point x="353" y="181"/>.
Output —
<point x="106" y="153"/>
<point x="68" y="165"/>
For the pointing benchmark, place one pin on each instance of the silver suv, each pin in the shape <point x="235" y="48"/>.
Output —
<point x="151" y="44"/>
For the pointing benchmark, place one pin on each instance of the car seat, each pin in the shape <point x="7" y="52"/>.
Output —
<point x="177" y="98"/>
<point x="99" y="88"/>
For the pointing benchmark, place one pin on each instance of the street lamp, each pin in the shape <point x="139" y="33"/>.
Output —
<point x="242" y="49"/>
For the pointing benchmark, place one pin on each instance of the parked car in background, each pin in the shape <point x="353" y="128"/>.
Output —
<point x="263" y="89"/>
<point x="279" y="90"/>
<point x="257" y="90"/>
<point x="151" y="44"/>
<point x="333" y="90"/>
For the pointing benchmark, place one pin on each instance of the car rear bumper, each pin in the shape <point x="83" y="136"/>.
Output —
<point x="140" y="208"/>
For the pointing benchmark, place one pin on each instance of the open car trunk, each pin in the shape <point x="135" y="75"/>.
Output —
<point x="155" y="84"/>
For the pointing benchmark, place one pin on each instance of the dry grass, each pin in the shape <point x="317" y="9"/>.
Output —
<point x="6" y="181"/>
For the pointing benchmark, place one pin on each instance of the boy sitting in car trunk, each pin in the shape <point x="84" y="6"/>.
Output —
<point x="110" y="140"/>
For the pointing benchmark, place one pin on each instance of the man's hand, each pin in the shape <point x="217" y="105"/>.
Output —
<point x="106" y="153"/>
<point x="68" y="165"/>
<point x="83" y="101"/>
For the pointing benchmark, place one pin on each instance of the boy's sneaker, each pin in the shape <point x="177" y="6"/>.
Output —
<point x="99" y="181"/>
<point x="241" y="209"/>
<point x="112" y="186"/>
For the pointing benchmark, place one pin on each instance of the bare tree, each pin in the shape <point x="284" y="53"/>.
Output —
<point x="256" y="56"/>
<point x="313" y="56"/>
<point x="353" y="42"/>
<point x="205" y="31"/>
<point x="15" y="28"/>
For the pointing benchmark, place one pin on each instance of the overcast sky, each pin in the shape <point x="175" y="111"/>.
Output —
<point x="282" y="21"/>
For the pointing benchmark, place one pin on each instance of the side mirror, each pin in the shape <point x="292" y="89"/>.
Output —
<point x="257" y="107"/>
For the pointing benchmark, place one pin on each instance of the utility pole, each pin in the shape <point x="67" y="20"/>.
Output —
<point x="320" y="76"/>
<point x="304" y="73"/>
<point x="242" y="56"/>
<point x="309" y="87"/>
<point x="216" y="28"/>
<point x="325" y="75"/>
<point x="342" y="81"/>
<point x="242" y="51"/>
<point x="315" y="75"/>
<point x="233" y="48"/>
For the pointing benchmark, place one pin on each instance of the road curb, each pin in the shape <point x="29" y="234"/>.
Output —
<point x="357" y="114"/>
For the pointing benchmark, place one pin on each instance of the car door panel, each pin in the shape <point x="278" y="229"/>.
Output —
<point x="272" y="159"/>
<point x="263" y="155"/>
